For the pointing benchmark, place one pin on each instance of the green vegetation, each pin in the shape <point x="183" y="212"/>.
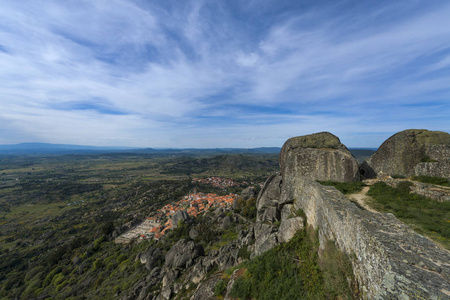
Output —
<point x="427" y="159"/>
<point x="58" y="216"/>
<point x="430" y="137"/>
<point x="219" y="288"/>
<point x="293" y="270"/>
<point x="345" y="187"/>
<point x="317" y="140"/>
<point x="432" y="180"/>
<point x="424" y="215"/>
<point x="247" y="208"/>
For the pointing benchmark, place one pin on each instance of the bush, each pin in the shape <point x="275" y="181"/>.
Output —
<point x="337" y="273"/>
<point x="432" y="180"/>
<point x="288" y="271"/>
<point x="244" y="253"/>
<point x="247" y="208"/>
<point x="404" y="187"/>
<point x="220" y="287"/>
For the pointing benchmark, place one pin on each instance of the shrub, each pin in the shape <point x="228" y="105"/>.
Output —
<point x="288" y="271"/>
<point x="404" y="187"/>
<point x="244" y="253"/>
<point x="337" y="273"/>
<point x="432" y="180"/>
<point x="220" y="287"/>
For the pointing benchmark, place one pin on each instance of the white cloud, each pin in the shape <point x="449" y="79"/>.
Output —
<point x="166" y="67"/>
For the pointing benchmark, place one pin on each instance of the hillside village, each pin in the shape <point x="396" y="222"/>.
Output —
<point x="219" y="182"/>
<point x="158" y="223"/>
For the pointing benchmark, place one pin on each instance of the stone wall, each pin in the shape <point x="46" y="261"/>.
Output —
<point x="390" y="261"/>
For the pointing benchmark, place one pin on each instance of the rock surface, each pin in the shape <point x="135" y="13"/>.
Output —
<point x="180" y="215"/>
<point x="182" y="254"/>
<point x="265" y="238"/>
<point x="319" y="156"/>
<point x="412" y="152"/>
<point x="289" y="227"/>
<point x="390" y="260"/>
<point x="268" y="198"/>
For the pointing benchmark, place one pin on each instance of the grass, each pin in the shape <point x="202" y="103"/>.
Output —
<point x="424" y="215"/>
<point x="432" y="180"/>
<point x="293" y="270"/>
<point x="345" y="187"/>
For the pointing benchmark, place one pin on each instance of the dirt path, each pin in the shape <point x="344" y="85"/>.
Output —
<point x="361" y="198"/>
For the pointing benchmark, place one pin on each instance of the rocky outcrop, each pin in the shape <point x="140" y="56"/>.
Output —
<point x="205" y="290"/>
<point x="265" y="238"/>
<point x="319" y="156"/>
<point x="150" y="258"/>
<point x="182" y="254"/>
<point x="289" y="227"/>
<point x="412" y="152"/>
<point x="180" y="215"/>
<point x="268" y="198"/>
<point x="390" y="261"/>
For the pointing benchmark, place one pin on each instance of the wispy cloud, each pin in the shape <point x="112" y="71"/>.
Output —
<point x="209" y="74"/>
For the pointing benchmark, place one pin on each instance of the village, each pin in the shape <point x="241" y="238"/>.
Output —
<point x="158" y="223"/>
<point x="218" y="182"/>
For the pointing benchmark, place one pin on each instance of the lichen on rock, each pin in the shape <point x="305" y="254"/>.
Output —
<point x="412" y="152"/>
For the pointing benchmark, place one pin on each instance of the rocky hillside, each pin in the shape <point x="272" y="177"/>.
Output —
<point x="411" y="152"/>
<point x="390" y="261"/>
<point x="208" y="258"/>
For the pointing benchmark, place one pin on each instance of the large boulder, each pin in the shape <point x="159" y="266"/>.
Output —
<point x="180" y="215"/>
<point x="265" y="238"/>
<point x="183" y="253"/>
<point x="150" y="258"/>
<point x="412" y="152"/>
<point x="319" y="156"/>
<point x="268" y="198"/>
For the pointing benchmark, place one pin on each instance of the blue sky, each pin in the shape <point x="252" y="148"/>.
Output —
<point x="221" y="73"/>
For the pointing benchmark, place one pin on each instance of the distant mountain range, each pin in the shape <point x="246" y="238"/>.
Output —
<point x="45" y="148"/>
<point x="55" y="149"/>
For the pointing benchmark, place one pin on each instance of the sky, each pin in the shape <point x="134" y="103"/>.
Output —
<point x="207" y="74"/>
